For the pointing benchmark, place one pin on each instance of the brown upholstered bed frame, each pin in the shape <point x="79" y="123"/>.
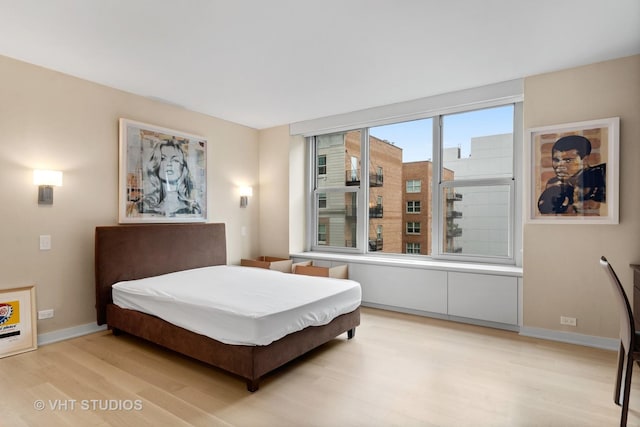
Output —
<point x="127" y="252"/>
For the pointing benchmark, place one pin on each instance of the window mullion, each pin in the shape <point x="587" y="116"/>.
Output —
<point x="363" y="194"/>
<point x="311" y="235"/>
<point x="436" y="204"/>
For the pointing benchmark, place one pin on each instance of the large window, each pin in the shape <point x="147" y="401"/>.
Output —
<point x="448" y="188"/>
<point x="477" y="182"/>
<point x="337" y="185"/>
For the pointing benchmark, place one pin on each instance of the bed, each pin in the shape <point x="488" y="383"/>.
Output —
<point x="130" y="252"/>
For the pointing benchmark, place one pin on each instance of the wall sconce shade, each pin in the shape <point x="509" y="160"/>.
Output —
<point x="46" y="180"/>
<point x="245" y="193"/>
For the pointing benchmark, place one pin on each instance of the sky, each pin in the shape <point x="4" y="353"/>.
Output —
<point x="416" y="139"/>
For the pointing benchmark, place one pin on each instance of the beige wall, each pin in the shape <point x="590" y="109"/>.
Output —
<point x="561" y="272"/>
<point x="274" y="192"/>
<point x="51" y="120"/>
<point x="297" y="190"/>
<point x="282" y="192"/>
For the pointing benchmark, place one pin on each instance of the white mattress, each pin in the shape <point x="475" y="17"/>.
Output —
<point x="240" y="305"/>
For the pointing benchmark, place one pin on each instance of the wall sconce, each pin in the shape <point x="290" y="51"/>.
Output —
<point x="46" y="180"/>
<point x="245" y="193"/>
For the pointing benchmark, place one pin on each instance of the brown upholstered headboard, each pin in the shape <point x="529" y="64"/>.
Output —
<point x="126" y="252"/>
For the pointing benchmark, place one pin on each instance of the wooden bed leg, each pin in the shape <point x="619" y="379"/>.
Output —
<point x="351" y="333"/>
<point x="116" y="332"/>
<point x="253" y="385"/>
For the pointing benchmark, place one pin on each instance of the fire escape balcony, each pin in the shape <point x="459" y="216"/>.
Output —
<point x="454" y="197"/>
<point x="454" y="232"/>
<point x="454" y="214"/>
<point x="353" y="178"/>
<point x="375" y="245"/>
<point x="376" y="180"/>
<point x="375" y="211"/>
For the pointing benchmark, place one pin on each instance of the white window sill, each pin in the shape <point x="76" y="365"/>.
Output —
<point x="407" y="262"/>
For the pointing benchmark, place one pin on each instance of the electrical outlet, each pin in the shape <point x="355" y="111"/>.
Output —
<point x="570" y="321"/>
<point x="45" y="242"/>
<point x="45" y="314"/>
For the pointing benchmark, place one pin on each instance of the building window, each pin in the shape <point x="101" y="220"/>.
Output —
<point x="449" y="187"/>
<point x="413" y="227"/>
<point x="322" y="233"/>
<point x="413" y="206"/>
<point x="414" y="186"/>
<point x="413" y="248"/>
<point x="322" y="200"/>
<point x="322" y="165"/>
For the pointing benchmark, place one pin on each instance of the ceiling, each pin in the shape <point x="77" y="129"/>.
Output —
<point x="274" y="62"/>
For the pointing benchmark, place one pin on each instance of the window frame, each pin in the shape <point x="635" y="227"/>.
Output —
<point x="437" y="205"/>
<point x="413" y="245"/>
<point x="413" y="187"/>
<point x="515" y="194"/>
<point x="414" y="225"/>
<point x="322" y="200"/>
<point x="322" y="166"/>
<point x="325" y="232"/>
<point x="414" y="203"/>
<point x="313" y="201"/>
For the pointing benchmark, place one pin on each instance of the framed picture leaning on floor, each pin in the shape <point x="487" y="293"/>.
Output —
<point x="18" y="320"/>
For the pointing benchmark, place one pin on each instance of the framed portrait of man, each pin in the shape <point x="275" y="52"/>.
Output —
<point x="571" y="173"/>
<point x="163" y="175"/>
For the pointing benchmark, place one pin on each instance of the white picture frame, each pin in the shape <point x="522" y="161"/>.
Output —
<point x="163" y="175"/>
<point x="553" y="193"/>
<point x="18" y="325"/>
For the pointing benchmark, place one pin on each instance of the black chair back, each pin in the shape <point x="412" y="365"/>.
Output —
<point x="627" y="327"/>
<point x="627" y="353"/>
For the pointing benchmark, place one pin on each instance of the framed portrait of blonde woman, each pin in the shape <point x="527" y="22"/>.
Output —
<point x="163" y="175"/>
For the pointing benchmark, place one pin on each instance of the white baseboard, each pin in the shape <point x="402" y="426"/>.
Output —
<point x="571" y="338"/>
<point x="547" y="334"/>
<point x="65" y="334"/>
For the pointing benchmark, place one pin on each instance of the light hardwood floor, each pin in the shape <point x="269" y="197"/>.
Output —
<point x="399" y="370"/>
